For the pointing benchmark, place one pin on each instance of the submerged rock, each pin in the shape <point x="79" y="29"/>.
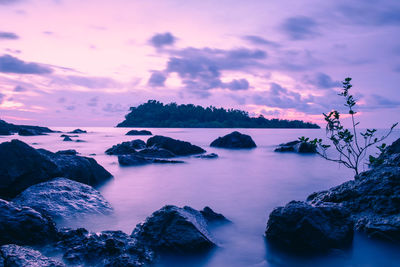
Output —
<point x="178" y="147"/>
<point x="136" y="160"/>
<point x="29" y="132"/>
<point x="173" y="229"/>
<point x="78" y="131"/>
<point x="126" y="147"/>
<point x="67" y="135"/>
<point x="207" y="156"/>
<point x="297" y="146"/>
<point x="67" y="139"/>
<point x="24" y="226"/>
<point x="139" y="132"/>
<point x="302" y="227"/>
<point x="13" y="255"/>
<point x="65" y="199"/>
<point x="234" y="140"/>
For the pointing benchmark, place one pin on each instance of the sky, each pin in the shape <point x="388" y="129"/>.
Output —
<point x="85" y="62"/>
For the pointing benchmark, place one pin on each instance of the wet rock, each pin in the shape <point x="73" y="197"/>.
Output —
<point x="174" y="229"/>
<point x="234" y="140"/>
<point x="78" y="131"/>
<point x="29" y="132"/>
<point x="178" y="147"/>
<point x="68" y="135"/>
<point x="4" y="131"/>
<point x="297" y="146"/>
<point x="80" y="141"/>
<point x="207" y="156"/>
<point x="13" y="255"/>
<point x="108" y="248"/>
<point x="126" y="147"/>
<point x="72" y="152"/>
<point x="213" y="217"/>
<point x="67" y="139"/>
<point x="139" y="132"/>
<point x="24" y="226"/>
<point x="156" y="153"/>
<point x="9" y="128"/>
<point x="136" y="160"/>
<point x="301" y="227"/>
<point x="64" y="199"/>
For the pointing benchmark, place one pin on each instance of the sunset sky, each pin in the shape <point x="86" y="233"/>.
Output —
<point x="85" y="62"/>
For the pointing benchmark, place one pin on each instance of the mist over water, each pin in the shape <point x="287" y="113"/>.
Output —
<point x="243" y="185"/>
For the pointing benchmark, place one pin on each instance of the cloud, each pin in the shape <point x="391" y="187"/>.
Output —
<point x="117" y="108"/>
<point x="9" y="2"/>
<point x="19" y="88"/>
<point x="93" y="101"/>
<point x="321" y="81"/>
<point x="10" y="64"/>
<point x="71" y="107"/>
<point x="157" y="78"/>
<point x="61" y="100"/>
<point x="87" y="81"/>
<point x="162" y="39"/>
<point x="2" y="96"/>
<point x="300" y="28"/>
<point x="257" y="40"/>
<point x="375" y="101"/>
<point x="8" y="36"/>
<point x="236" y="85"/>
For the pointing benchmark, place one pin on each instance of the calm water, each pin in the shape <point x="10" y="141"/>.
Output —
<point x="244" y="185"/>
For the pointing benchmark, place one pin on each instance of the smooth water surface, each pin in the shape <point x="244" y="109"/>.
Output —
<point x="243" y="185"/>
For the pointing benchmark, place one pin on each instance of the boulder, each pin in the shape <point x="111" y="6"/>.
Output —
<point x="136" y="160"/>
<point x="297" y="146"/>
<point x="156" y="153"/>
<point x="234" y="140"/>
<point x="108" y="248"/>
<point x="78" y="131"/>
<point x="300" y="226"/>
<point x="64" y="199"/>
<point x="213" y="217"/>
<point x="24" y="226"/>
<point x="13" y="255"/>
<point x="174" y="229"/>
<point x="178" y="147"/>
<point x="67" y="139"/>
<point x="139" y="132"/>
<point x="207" y="156"/>
<point x="126" y="147"/>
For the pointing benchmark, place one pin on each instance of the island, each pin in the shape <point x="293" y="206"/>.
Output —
<point x="154" y="114"/>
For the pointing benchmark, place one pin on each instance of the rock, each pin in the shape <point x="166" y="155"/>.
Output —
<point x="207" y="156"/>
<point x="80" y="141"/>
<point x="25" y="129"/>
<point x="78" y="131"/>
<point x="301" y="227"/>
<point x="213" y="217"/>
<point x="126" y="147"/>
<point x="4" y="131"/>
<point x="13" y="255"/>
<point x="173" y="229"/>
<point x="178" y="147"/>
<point x="29" y="132"/>
<point x="390" y="156"/>
<point x="65" y="199"/>
<point x="234" y="140"/>
<point x="67" y="139"/>
<point x="108" y="248"/>
<point x="139" y="132"/>
<point x="156" y="153"/>
<point x="67" y="135"/>
<point x="297" y="146"/>
<point x="67" y="152"/>
<point x="22" y="166"/>
<point x="24" y="226"/>
<point x="136" y="160"/>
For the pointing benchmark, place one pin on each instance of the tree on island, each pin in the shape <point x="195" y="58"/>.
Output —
<point x="156" y="114"/>
<point x="351" y="144"/>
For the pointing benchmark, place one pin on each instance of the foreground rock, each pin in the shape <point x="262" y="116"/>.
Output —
<point x="13" y="255"/>
<point x="24" y="226"/>
<point x="126" y="147"/>
<point x="78" y="131"/>
<point x="22" y="166"/>
<point x="108" y="248"/>
<point x="9" y="128"/>
<point x="178" y="147"/>
<point x="181" y="230"/>
<point x="65" y="199"/>
<point x="297" y="146"/>
<point x="137" y="160"/>
<point x="234" y="140"/>
<point x="139" y="132"/>
<point x="302" y="227"/>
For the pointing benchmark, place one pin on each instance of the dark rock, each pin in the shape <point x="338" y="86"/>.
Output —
<point x="139" y="132"/>
<point x="126" y="147"/>
<point x="213" y="217"/>
<point x="80" y="141"/>
<point x="180" y="148"/>
<point x="78" y="131"/>
<point x="207" y="156"/>
<point x="234" y="140"/>
<point x="390" y="156"/>
<point x="136" y="160"/>
<point x="67" y="135"/>
<point x="67" y="139"/>
<point x="297" y="146"/>
<point x="65" y="199"/>
<point x="301" y="227"/>
<point x="13" y="255"/>
<point x="29" y="132"/>
<point x="173" y="229"/>
<point x="67" y="152"/>
<point x="156" y="153"/>
<point x="108" y="248"/>
<point x="26" y="129"/>
<point x="24" y="226"/>
<point x="5" y="131"/>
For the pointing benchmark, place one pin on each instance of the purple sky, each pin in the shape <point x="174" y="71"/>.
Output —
<point x="84" y="63"/>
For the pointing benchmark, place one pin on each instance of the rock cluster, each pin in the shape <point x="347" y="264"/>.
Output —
<point x="297" y="146"/>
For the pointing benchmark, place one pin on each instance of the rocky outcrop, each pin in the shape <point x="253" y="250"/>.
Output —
<point x="137" y="160"/>
<point x="174" y="229"/>
<point x="297" y="146"/>
<point x="64" y="199"/>
<point x="207" y="156"/>
<point x="234" y="140"/>
<point x="139" y="132"/>
<point x="26" y="130"/>
<point x="13" y="255"/>
<point x="125" y="148"/>
<point x="67" y="139"/>
<point x="30" y="132"/>
<point x="108" y="248"/>
<point x="178" y="147"/>
<point x="78" y="131"/>
<point x="302" y="227"/>
<point x="156" y="153"/>
<point x="24" y="226"/>
<point x="71" y="152"/>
